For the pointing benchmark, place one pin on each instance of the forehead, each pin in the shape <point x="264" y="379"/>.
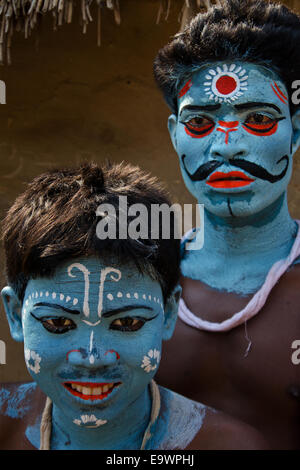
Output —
<point x="229" y="83"/>
<point x="91" y="280"/>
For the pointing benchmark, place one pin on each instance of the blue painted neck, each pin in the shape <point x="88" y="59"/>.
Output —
<point x="126" y="431"/>
<point x="238" y="252"/>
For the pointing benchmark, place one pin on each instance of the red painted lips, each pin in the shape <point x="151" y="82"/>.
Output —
<point x="233" y="179"/>
<point x="90" y="390"/>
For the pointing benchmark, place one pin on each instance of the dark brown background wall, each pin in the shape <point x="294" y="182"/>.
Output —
<point x="68" y="100"/>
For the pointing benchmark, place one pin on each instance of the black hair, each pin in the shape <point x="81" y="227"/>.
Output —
<point x="247" y="30"/>
<point x="55" y="219"/>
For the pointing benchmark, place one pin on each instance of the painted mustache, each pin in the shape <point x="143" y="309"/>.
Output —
<point x="253" y="169"/>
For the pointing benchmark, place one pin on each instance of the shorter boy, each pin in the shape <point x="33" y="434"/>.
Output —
<point x="92" y="314"/>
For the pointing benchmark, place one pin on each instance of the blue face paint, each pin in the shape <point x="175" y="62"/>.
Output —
<point x="235" y="140"/>
<point x="92" y="340"/>
<point x="233" y="136"/>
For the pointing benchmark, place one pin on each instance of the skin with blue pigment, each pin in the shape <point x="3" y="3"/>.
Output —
<point x="84" y="352"/>
<point x="17" y="405"/>
<point x="95" y="323"/>
<point x="247" y="228"/>
<point x="247" y="371"/>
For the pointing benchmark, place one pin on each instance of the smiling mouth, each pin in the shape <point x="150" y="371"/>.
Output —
<point x="233" y="179"/>
<point x="90" y="390"/>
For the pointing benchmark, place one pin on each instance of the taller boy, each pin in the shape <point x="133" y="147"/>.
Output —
<point x="229" y="79"/>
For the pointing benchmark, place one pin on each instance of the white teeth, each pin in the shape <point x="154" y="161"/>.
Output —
<point x="92" y="390"/>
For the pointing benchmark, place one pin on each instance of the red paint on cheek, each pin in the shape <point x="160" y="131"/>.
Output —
<point x="261" y="130"/>
<point x="72" y="350"/>
<point x="199" y="133"/>
<point x="185" y="89"/>
<point x="113" y="351"/>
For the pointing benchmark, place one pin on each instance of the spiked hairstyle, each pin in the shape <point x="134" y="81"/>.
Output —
<point x="248" y="30"/>
<point x="55" y="220"/>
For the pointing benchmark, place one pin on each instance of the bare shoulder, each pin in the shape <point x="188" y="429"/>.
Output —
<point x="223" y="432"/>
<point x="17" y="400"/>
<point x="14" y="395"/>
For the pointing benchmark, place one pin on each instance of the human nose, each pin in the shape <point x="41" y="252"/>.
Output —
<point x="93" y="355"/>
<point x="228" y="142"/>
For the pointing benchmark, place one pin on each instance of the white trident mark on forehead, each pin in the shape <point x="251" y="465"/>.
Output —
<point x="86" y="275"/>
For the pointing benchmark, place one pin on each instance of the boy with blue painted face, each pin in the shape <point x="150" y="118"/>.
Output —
<point x="229" y="79"/>
<point x="92" y="313"/>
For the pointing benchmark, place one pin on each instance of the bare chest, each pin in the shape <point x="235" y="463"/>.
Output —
<point x="249" y="368"/>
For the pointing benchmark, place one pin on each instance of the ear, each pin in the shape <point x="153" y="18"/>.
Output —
<point x="171" y="309"/>
<point x="172" y="126"/>
<point x="13" y="306"/>
<point x="296" y="131"/>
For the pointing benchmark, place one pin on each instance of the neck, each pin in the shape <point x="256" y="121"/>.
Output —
<point x="239" y="252"/>
<point x="269" y="232"/>
<point x="125" y="431"/>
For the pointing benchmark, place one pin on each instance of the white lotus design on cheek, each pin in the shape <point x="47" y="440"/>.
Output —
<point x="33" y="360"/>
<point x="151" y="361"/>
<point x="89" y="421"/>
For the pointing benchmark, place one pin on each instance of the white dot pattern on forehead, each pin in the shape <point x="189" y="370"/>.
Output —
<point x="109" y="296"/>
<point x="227" y="84"/>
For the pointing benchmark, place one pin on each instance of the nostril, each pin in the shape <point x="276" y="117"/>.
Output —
<point x="217" y="154"/>
<point x="240" y="154"/>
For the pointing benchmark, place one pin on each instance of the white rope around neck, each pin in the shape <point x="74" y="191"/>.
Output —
<point x="255" y="304"/>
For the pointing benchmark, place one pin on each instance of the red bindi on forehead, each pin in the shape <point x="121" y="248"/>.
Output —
<point x="226" y="85"/>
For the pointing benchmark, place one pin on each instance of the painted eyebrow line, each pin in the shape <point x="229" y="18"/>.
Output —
<point x="255" y="104"/>
<point x="57" y="306"/>
<point x="115" y="311"/>
<point x="206" y="107"/>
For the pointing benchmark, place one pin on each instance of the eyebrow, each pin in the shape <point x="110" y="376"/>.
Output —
<point x="115" y="311"/>
<point x="205" y="107"/>
<point x="57" y="306"/>
<point x="255" y="104"/>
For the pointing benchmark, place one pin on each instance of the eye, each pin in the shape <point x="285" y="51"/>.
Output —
<point x="127" y="324"/>
<point x="261" y="125"/>
<point x="58" y="325"/>
<point x="257" y="118"/>
<point x="199" y="122"/>
<point x="199" y="126"/>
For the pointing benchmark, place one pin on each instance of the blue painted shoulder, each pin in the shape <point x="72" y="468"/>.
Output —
<point x="184" y="419"/>
<point x="15" y="399"/>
